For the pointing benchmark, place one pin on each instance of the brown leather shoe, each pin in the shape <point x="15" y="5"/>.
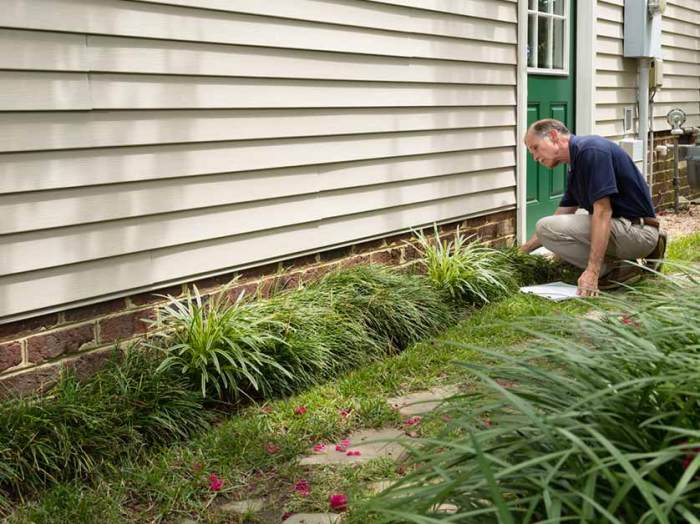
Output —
<point x="624" y="275"/>
<point x="654" y="260"/>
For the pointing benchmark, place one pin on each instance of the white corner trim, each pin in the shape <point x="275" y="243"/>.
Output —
<point x="585" y="66"/>
<point x="521" y="124"/>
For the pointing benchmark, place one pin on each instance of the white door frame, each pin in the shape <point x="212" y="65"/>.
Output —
<point x="585" y="93"/>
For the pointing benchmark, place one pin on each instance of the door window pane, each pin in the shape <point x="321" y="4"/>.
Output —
<point x="558" y="7"/>
<point x="558" y="42"/>
<point x="531" y="42"/>
<point x="543" y="6"/>
<point x="543" y="60"/>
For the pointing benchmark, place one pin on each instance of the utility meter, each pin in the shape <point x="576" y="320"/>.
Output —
<point x="643" y="28"/>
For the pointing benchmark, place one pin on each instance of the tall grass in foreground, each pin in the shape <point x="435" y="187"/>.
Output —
<point x="596" y="421"/>
<point x="465" y="269"/>
<point x="79" y="427"/>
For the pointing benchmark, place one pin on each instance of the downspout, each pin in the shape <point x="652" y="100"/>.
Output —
<point x="643" y="99"/>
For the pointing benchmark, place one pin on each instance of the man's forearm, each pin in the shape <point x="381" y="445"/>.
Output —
<point x="600" y="236"/>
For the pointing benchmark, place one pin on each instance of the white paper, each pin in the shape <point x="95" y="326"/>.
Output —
<point x="553" y="291"/>
<point x="542" y="252"/>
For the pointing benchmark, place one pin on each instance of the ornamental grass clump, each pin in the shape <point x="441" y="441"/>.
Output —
<point x="596" y="421"/>
<point x="465" y="269"/>
<point x="396" y="308"/>
<point x="533" y="269"/>
<point x="315" y="340"/>
<point x="80" y="426"/>
<point x="221" y="347"/>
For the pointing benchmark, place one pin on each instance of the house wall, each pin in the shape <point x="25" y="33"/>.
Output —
<point x="148" y="143"/>
<point x="616" y="77"/>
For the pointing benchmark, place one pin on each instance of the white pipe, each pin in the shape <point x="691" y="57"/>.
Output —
<point x="644" y="113"/>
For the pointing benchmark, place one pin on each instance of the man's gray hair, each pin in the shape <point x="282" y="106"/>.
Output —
<point x="544" y="126"/>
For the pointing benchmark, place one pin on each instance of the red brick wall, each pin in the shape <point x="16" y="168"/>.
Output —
<point x="33" y="351"/>
<point x="662" y="190"/>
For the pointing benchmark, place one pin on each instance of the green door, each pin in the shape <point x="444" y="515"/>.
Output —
<point x="550" y="87"/>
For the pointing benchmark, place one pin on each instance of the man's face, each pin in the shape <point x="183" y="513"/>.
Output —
<point x="545" y="150"/>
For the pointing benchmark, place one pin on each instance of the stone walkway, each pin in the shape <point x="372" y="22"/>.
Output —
<point x="359" y="447"/>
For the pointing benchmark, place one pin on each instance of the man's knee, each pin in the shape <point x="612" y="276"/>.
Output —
<point x="546" y="226"/>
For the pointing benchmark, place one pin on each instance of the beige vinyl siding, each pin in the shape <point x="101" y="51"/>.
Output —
<point x="144" y="143"/>
<point x="680" y="39"/>
<point x="616" y="77"/>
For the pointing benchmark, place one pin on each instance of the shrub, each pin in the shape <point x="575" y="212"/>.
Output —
<point x="218" y="345"/>
<point x="396" y="308"/>
<point x="80" y="426"/>
<point x="595" y="422"/>
<point x="467" y="271"/>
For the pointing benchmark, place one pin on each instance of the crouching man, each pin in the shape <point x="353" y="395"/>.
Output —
<point x="621" y="224"/>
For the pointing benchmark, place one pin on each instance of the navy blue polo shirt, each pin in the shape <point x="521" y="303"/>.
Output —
<point x="600" y="168"/>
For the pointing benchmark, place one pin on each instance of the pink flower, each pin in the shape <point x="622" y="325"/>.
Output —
<point x="319" y="448"/>
<point x="412" y="421"/>
<point x="345" y="443"/>
<point x="215" y="483"/>
<point x="300" y="410"/>
<point x="353" y="453"/>
<point x="338" y="501"/>
<point x="338" y="447"/>
<point x="272" y="448"/>
<point x="303" y="488"/>
<point x="345" y="412"/>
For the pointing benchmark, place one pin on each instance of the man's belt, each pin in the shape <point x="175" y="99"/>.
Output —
<point x="653" y="222"/>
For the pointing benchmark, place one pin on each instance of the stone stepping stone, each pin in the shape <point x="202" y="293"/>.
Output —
<point x="244" y="506"/>
<point x="422" y="401"/>
<point x="314" y="518"/>
<point x="371" y="444"/>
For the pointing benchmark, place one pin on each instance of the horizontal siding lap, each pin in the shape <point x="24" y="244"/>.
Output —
<point x="363" y="14"/>
<point x="90" y="242"/>
<point x="72" y="130"/>
<point x="53" y="170"/>
<point x="36" y="290"/>
<point x="67" y="207"/>
<point x="118" y="18"/>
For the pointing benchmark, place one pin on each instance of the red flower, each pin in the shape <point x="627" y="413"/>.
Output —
<point x="319" y="448"/>
<point x="299" y="410"/>
<point x="286" y="515"/>
<point x="412" y="421"/>
<point x="338" y="501"/>
<point x="215" y="483"/>
<point x="628" y="321"/>
<point x="353" y="453"/>
<point x="688" y="458"/>
<point x="303" y="488"/>
<point x="272" y="448"/>
<point x="345" y="412"/>
<point x="338" y="447"/>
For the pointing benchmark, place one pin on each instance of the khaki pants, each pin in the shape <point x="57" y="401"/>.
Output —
<point x="569" y="236"/>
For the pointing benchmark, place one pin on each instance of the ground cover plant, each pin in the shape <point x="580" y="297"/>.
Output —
<point x="465" y="269"/>
<point x="83" y="426"/>
<point x="597" y="421"/>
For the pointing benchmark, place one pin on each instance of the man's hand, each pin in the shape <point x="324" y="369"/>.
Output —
<point x="588" y="284"/>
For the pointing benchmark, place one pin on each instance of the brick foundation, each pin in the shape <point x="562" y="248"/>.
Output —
<point x="33" y="351"/>
<point x="662" y="190"/>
